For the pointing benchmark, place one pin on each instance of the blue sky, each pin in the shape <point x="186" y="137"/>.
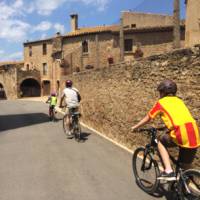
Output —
<point x="22" y="20"/>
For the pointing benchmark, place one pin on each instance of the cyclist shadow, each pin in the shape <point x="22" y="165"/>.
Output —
<point x="84" y="136"/>
<point x="163" y="191"/>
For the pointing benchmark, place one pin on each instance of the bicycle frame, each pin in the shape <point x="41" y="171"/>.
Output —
<point x="149" y="160"/>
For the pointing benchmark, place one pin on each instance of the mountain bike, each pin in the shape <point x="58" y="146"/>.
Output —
<point x="75" y="126"/>
<point x="146" y="169"/>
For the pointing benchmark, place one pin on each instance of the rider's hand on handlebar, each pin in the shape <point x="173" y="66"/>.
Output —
<point x="133" y="129"/>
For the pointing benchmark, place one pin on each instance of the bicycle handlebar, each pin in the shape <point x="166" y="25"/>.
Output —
<point x="152" y="129"/>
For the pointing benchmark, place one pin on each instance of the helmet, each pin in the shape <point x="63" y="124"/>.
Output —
<point x="68" y="83"/>
<point x="53" y="94"/>
<point x="167" y="87"/>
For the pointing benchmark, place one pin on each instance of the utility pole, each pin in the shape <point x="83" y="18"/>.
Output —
<point x="176" y="24"/>
<point x="121" y="38"/>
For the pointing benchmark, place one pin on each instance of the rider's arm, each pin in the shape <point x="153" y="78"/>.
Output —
<point x="61" y="100"/>
<point x="48" y="100"/>
<point x="144" y="121"/>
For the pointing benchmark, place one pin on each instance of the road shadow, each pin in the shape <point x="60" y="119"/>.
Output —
<point x="163" y="192"/>
<point x="84" y="136"/>
<point x="8" y="122"/>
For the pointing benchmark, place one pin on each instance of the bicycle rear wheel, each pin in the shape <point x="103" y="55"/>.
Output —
<point x="189" y="186"/>
<point x="77" y="130"/>
<point x="146" y="171"/>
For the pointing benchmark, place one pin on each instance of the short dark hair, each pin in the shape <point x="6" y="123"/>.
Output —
<point x="167" y="87"/>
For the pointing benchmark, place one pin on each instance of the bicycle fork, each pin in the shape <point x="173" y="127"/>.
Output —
<point x="144" y="163"/>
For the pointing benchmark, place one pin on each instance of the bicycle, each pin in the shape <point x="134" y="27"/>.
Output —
<point x="75" y="124"/>
<point x="145" y="162"/>
<point x="52" y="113"/>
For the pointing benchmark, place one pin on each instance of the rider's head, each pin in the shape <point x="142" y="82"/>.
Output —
<point x="68" y="83"/>
<point x="53" y="94"/>
<point x="167" y="88"/>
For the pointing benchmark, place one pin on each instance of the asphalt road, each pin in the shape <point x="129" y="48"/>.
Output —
<point x="37" y="162"/>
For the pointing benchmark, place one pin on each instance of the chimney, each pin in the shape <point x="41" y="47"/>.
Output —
<point x="74" y="22"/>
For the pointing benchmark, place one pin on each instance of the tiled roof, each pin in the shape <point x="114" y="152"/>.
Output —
<point x="111" y="29"/>
<point x="90" y="30"/>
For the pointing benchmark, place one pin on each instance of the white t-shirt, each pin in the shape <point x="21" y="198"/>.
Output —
<point x="71" y="97"/>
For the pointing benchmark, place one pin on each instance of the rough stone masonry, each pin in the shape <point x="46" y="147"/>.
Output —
<point x="116" y="97"/>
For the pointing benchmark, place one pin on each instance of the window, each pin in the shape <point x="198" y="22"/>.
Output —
<point x="27" y="67"/>
<point x="133" y="25"/>
<point x="45" y="68"/>
<point x="85" y="47"/>
<point x="128" y="45"/>
<point x="30" y="51"/>
<point x="44" y="49"/>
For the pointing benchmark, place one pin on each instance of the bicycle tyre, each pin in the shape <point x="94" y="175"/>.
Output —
<point x="77" y="130"/>
<point x="192" y="181"/>
<point x="151" y="167"/>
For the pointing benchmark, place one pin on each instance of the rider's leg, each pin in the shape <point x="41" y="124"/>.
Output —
<point x="165" y="157"/>
<point x="68" y="120"/>
<point x="164" y="142"/>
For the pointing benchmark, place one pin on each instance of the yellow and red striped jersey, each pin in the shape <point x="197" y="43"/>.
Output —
<point x="177" y="118"/>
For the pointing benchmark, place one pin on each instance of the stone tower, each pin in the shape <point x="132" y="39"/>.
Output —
<point x="192" y="33"/>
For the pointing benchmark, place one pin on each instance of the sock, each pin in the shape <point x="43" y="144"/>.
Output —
<point x="168" y="171"/>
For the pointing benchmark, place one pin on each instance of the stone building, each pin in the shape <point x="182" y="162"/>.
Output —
<point x="16" y="81"/>
<point x="91" y="47"/>
<point x="192" y="34"/>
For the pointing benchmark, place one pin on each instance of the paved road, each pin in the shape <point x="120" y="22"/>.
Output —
<point x="37" y="162"/>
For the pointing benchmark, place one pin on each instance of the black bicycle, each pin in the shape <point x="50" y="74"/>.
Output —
<point x="73" y="117"/>
<point x="52" y="111"/>
<point x="147" y="164"/>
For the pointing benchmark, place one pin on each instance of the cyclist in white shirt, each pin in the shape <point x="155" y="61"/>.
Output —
<point x="72" y="99"/>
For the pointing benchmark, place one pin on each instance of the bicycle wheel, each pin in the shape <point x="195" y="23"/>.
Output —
<point x="77" y="129"/>
<point x="145" y="170"/>
<point x="189" y="185"/>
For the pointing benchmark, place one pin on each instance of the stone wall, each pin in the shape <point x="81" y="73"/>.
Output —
<point x="117" y="97"/>
<point x="192" y="34"/>
<point x="8" y="80"/>
<point x="145" y="19"/>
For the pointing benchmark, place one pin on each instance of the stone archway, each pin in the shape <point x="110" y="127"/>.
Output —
<point x="2" y="92"/>
<point x="30" y="88"/>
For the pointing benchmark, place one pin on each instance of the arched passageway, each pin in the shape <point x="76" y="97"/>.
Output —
<point x="30" y="88"/>
<point x="2" y="92"/>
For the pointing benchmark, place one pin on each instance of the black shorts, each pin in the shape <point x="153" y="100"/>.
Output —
<point x="186" y="155"/>
<point x="51" y="107"/>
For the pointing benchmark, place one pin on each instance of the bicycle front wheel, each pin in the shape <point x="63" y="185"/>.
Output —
<point x="189" y="185"/>
<point x="146" y="171"/>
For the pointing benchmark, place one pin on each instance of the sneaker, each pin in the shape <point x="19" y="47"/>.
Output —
<point x="167" y="176"/>
<point x="69" y="135"/>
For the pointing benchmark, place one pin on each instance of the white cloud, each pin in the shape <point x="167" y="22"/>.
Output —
<point x="43" y="26"/>
<point x="13" y="30"/>
<point x="6" y="11"/>
<point x="18" y="4"/>
<point x="100" y="4"/>
<point x="44" y="7"/>
<point x="15" y="56"/>
<point x="59" y="28"/>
